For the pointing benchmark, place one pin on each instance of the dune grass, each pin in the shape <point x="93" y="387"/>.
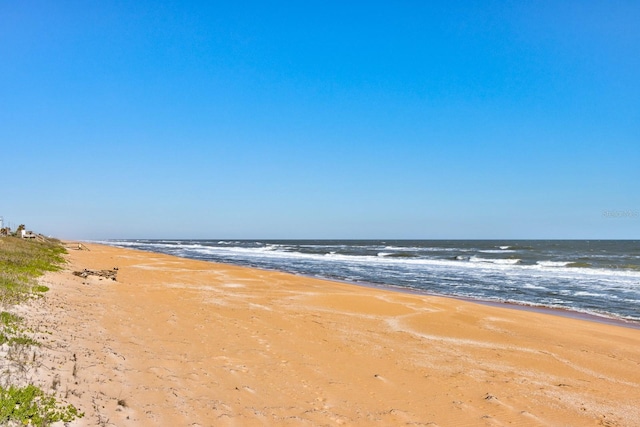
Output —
<point x="21" y="263"/>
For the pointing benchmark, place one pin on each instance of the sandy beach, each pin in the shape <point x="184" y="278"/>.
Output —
<point x="179" y="342"/>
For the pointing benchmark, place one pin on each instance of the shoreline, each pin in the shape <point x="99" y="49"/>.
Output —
<point x="556" y="311"/>
<point x="183" y="342"/>
<point x="553" y="311"/>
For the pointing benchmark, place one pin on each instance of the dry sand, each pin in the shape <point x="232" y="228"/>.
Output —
<point x="177" y="342"/>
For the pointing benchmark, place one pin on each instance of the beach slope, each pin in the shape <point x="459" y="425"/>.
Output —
<point x="190" y="343"/>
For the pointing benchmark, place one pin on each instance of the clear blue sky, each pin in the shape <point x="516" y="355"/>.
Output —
<point x="159" y="119"/>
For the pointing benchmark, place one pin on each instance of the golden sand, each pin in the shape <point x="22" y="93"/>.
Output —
<point x="178" y="342"/>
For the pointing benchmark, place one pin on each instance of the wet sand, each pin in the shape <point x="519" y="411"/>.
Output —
<point x="190" y="343"/>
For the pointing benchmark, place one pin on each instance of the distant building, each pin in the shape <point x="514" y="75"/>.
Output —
<point x="28" y="234"/>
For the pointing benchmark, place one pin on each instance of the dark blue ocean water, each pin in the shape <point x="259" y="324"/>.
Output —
<point x="595" y="277"/>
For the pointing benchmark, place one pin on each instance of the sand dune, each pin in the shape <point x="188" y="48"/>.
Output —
<point x="187" y="343"/>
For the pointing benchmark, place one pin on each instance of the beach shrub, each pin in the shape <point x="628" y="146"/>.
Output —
<point x="31" y="406"/>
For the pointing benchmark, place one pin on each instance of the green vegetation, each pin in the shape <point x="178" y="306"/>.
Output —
<point x="31" y="406"/>
<point x="9" y="319"/>
<point x="40" y="288"/>
<point x="11" y="332"/>
<point x="21" y="262"/>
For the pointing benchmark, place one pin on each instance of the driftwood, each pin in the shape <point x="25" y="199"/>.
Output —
<point x="77" y="247"/>
<point x="109" y="274"/>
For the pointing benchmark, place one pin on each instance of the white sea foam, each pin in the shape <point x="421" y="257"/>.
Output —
<point x="556" y="268"/>
<point x="499" y="261"/>
<point x="531" y="286"/>
<point x="425" y="249"/>
<point x="593" y="294"/>
<point x="553" y="263"/>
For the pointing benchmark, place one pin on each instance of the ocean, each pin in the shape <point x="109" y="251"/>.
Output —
<point x="597" y="277"/>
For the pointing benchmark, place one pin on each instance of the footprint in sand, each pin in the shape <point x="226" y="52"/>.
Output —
<point x="173" y="319"/>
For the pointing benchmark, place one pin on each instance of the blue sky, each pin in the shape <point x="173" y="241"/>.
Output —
<point x="122" y="119"/>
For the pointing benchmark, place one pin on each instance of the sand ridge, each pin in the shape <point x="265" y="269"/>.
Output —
<point x="190" y="343"/>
